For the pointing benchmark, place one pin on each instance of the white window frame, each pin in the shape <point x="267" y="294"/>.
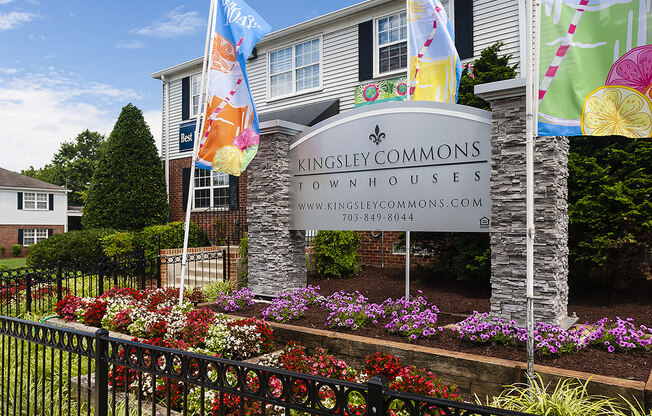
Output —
<point x="34" y="201"/>
<point x="195" y="78"/>
<point x="377" y="46"/>
<point x="34" y="235"/>
<point x="211" y="187"/>
<point x="294" y="69"/>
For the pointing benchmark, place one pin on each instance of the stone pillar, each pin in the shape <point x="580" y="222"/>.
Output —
<point x="508" y="218"/>
<point x="277" y="255"/>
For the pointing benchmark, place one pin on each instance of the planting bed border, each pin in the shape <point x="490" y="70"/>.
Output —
<point x="475" y="374"/>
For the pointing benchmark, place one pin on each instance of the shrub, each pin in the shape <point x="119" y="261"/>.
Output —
<point x="213" y="290"/>
<point x="17" y="250"/>
<point x="81" y="245"/>
<point x="3" y="250"/>
<point x="118" y="243"/>
<point x="169" y="236"/>
<point x="243" y="249"/>
<point x="336" y="253"/>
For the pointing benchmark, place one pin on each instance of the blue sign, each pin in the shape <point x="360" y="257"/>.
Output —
<point x="186" y="136"/>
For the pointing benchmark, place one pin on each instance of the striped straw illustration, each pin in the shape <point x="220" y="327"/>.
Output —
<point x="224" y="102"/>
<point x="561" y="51"/>
<point x="422" y="52"/>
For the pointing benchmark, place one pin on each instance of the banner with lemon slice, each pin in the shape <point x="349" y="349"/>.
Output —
<point x="230" y="132"/>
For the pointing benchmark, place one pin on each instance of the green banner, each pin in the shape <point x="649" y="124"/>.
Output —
<point x="395" y="89"/>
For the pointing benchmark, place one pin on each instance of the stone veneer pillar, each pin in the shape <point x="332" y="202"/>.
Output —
<point x="277" y="255"/>
<point x="508" y="217"/>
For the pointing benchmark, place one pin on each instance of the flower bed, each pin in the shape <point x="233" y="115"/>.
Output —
<point x="417" y="319"/>
<point x="156" y="316"/>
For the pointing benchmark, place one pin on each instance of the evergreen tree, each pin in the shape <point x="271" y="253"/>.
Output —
<point x="128" y="190"/>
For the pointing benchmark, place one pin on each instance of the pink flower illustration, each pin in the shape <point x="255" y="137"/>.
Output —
<point x="633" y="69"/>
<point x="247" y="138"/>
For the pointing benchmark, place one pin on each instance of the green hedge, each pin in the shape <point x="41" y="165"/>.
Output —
<point x="336" y="253"/>
<point x="71" y="246"/>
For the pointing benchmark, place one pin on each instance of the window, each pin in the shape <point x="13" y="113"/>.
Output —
<point x="195" y="90"/>
<point x="33" y="236"/>
<point x="391" y="42"/>
<point x="295" y="69"/>
<point x="35" y="200"/>
<point x="211" y="189"/>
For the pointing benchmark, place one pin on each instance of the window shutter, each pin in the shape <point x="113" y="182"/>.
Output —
<point x="464" y="28"/>
<point x="185" y="98"/>
<point x="366" y="50"/>
<point x="234" y="188"/>
<point x="51" y="201"/>
<point x="20" y="200"/>
<point x="186" y="187"/>
<point x="20" y="236"/>
<point x="50" y="232"/>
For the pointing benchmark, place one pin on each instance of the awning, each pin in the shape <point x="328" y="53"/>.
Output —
<point x="307" y="115"/>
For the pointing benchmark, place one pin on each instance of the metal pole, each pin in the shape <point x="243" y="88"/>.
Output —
<point x="407" y="264"/>
<point x="198" y="130"/>
<point x="529" y="162"/>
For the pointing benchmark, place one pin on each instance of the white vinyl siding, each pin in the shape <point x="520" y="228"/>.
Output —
<point x="11" y="215"/>
<point x="494" y="20"/>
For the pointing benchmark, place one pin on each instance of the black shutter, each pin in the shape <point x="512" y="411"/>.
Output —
<point x="20" y="200"/>
<point x="366" y="50"/>
<point x="51" y="201"/>
<point x="185" y="98"/>
<point x="50" y="232"/>
<point x="464" y="28"/>
<point x="20" y="236"/>
<point x="234" y="187"/>
<point x="186" y="187"/>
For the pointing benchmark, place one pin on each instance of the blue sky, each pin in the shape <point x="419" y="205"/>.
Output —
<point x="71" y="65"/>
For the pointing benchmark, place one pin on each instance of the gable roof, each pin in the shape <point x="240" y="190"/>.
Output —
<point x="16" y="180"/>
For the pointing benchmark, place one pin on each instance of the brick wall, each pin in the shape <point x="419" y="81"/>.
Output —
<point x="176" y="188"/>
<point x="9" y="235"/>
<point x="371" y="250"/>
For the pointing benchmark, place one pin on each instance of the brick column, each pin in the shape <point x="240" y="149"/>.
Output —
<point x="277" y="255"/>
<point x="508" y="218"/>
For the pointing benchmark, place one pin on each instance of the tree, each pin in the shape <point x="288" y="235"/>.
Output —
<point x="128" y="189"/>
<point x="73" y="165"/>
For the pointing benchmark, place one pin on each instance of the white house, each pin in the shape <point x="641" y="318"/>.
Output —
<point x="32" y="210"/>
<point x="316" y="69"/>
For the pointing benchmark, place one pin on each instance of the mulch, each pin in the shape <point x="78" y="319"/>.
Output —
<point x="456" y="301"/>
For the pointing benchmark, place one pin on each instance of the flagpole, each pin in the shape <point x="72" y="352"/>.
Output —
<point x="407" y="233"/>
<point x="530" y="97"/>
<point x="197" y="138"/>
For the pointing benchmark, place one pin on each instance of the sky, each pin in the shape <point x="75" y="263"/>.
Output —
<point x="71" y="65"/>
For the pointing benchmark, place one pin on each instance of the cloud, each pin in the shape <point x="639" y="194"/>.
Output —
<point x="8" y="71"/>
<point x="39" y="112"/>
<point x="173" y="25"/>
<point x="133" y="44"/>
<point x="154" y="119"/>
<point x="13" y="20"/>
<point x="5" y="1"/>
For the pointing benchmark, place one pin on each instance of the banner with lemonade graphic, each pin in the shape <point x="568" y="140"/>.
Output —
<point x="230" y="133"/>
<point x="435" y="67"/>
<point x="595" y="68"/>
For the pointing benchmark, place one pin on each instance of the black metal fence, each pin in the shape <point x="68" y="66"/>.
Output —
<point x="54" y="371"/>
<point x="223" y="227"/>
<point x="38" y="289"/>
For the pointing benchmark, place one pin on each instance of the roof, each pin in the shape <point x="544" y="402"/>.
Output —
<point x="16" y="180"/>
<point x="306" y="115"/>
<point x="288" y="31"/>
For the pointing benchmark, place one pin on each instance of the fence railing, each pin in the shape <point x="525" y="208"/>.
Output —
<point x="51" y="370"/>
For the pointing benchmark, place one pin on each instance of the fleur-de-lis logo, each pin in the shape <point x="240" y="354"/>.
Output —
<point x="378" y="136"/>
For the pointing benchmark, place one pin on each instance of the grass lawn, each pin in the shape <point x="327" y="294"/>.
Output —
<point x="13" y="263"/>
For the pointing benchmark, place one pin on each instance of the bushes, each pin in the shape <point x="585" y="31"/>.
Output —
<point x="17" y="250"/>
<point x="336" y="253"/>
<point x="71" y="246"/>
<point x="3" y="250"/>
<point x="243" y="249"/>
<point x="171" y="236"/>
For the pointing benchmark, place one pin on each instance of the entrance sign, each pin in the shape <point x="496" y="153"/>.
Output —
<point x="419" y="166"/>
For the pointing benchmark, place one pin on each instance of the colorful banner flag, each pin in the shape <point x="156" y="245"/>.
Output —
<point x="595" y="68"/>
<point x="435" y="67"/>
<point x="230" y="133"/>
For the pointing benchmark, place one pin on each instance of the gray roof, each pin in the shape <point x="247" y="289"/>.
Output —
<point x="16" y="180"/>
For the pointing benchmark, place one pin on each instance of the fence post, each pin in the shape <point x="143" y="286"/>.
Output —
<point x="101" y="398"/>
<point x="375" y="400"/>
<point x="100" y="279"/>
<point x="225" y="277"/>
<point x="142" y="271"/>
<point x="59" y="281"/>
<point x="28" y="292"/>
